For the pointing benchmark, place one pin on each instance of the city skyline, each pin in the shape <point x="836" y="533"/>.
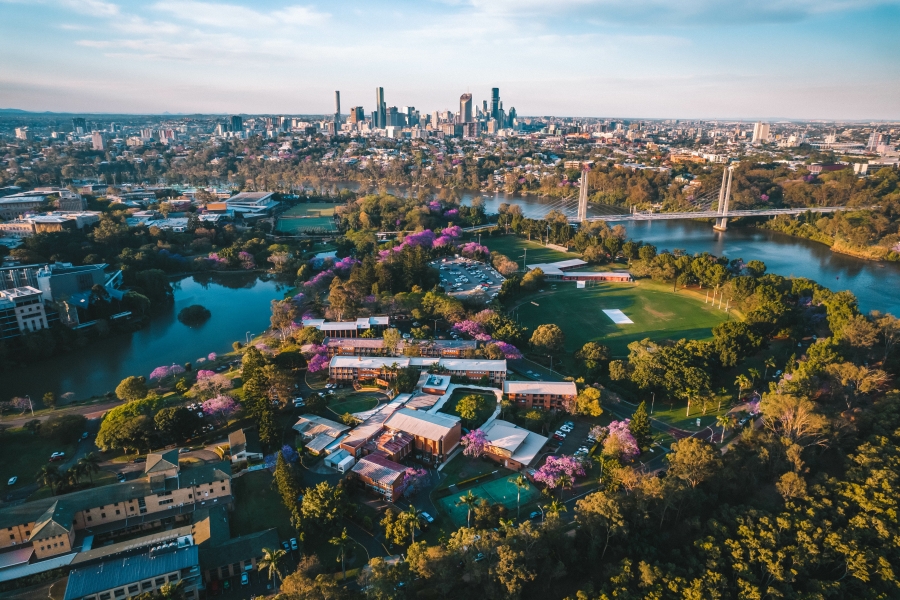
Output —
<point x="699" y="60"/>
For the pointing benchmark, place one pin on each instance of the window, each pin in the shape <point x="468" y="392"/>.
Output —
<point x="146" y="585"/>
<point x="133" y="589"/>
<point x="90" y="518"/>
<point x="119" y="592"/>
<point x="118" y="511"/>
<point x="223" y="488"/>
<point x="160" y="580"/>
<point x="169" y="501"/>
<point x="104" y="596"/>
<point x="173" y="577"/>
<point x="12" y="537"/>
<point x="102" y="515"/>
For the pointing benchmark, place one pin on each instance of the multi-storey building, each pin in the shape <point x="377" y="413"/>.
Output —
<point x="349" y="368"/>
<point x="375" y="347"/>
<point x="21" y="311"/>
<point x="546" y="395"/>
<point x="434" y="436"/>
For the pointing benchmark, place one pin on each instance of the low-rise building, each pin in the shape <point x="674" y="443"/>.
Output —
<point x="348" y="329"/>
<point x="358" y="346"/>
<point x="21" y="311"/>
<point x="244" y="444"/>
<point x="546" y="395"/>
<point x="510" y="445"/>
<point x="380" y="475"/>
<point x="250" y="205"/>
<point x="27" y="226"/>
<point x="564" y="271"/>
<point x="350" y="368"/>
<point x="136" y="575"/>
<point x="319" y="433"/>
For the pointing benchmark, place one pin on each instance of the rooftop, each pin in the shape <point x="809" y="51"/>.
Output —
<point x="422" y="424"/>
<point x="378" y="468"/>
<point x="563" y="388"/>
<point x="115" y="573"/>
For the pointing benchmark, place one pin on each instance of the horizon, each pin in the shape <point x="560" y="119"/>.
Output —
<point x="698" y="60"/>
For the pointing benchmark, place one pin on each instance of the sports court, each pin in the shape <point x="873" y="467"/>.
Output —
<point x="500" y="491"/>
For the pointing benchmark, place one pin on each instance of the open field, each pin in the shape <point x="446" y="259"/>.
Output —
<point x="356" y="402"/>
<point x="657" y="312"/>
<point x="31" y="452"/>
<point x="486" y="410"/>
<point x="258" y="506"/>
<point x="303" y="217"/>
<point x="514" y="247"/>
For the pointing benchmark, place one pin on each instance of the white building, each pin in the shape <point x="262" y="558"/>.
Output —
<point x="760" y="133"/>
<point x="21" y="311"/>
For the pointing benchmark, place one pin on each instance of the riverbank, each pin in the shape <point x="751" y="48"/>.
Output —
<point x="809" y="232"/>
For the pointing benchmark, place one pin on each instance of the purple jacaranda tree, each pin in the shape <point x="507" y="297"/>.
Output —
<point x="204" y="374"/>
<point x="159" y="373"/>
<point x="212" y="356"/>
<point x="318" y="363"/>
<point x="290" y="455"/>
<point x="474" y="250"/>
<point x="468" y="327"/>
<point x="619" y="441"/>
<point x="509" y="351"/>
<point x="474" y="443"/>
<point x="220" y="408"/>
<point x="212" y="386"/>
<point x="414" y="480"/>
<point x="559" y="469"/>
<point x="247" y="261"/>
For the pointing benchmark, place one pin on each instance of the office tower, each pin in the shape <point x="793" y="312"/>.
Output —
<point x="392" y="117"/>
<point x="380" y="120"/>
<point x="97" y="140"/>
<point x="495" y="103"/>
<point x="435" y="119"/>
<point x="237" y="123"/>
<point x="465" y="108"/>
<point x="78" y="125"/>
<point x="760" y="133"/>
<point x="356" y="115"/>
<point x="337" y="109"/>
<point x="484" y="108"/>
<point x="511" y="116"/>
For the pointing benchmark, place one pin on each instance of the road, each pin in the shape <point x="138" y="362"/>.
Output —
<point x="89" y="410"/>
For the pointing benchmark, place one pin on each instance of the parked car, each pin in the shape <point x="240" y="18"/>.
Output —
<point x="294" y="544"/>
<point x="560" y="435"/>
<point x="534" y="516"/>
<point x="120" y="477"/>
<point x="57" y="456"/>
<point x="12" y="480"/>
<point x="285" y="545"/>
<point x="84" y="435"/>
<point x="183" y="450"/>
<point x="245" y="579"/>
<point x="428" y="518"/>
<point x="139" y="459"/>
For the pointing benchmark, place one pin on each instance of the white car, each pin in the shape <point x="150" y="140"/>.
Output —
<point x="406" y="336"/>
<point x="12" y="480"/>
<point x="428" y="518"/>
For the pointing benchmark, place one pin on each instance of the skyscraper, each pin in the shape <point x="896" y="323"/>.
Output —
<point x="237" y="123"/>
<point x="380" y="120"/>
<point x="495" y="103"/>
<point x="337" y="109"/>
<point x="760" y="133"/>
<point x="78" y="125"/>
<point x="465" y="108"/>
<point x="97" y="141"/>
<point x="356" y="115"/>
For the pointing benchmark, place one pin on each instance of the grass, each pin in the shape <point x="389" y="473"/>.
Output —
<point x="657" y="312"/>
<point x="487" y="407"/>
<point x="515" y="247"/>
<point x="29" y="454"/>
<point x="100" y="479"/>
<point x="314" y="215"/>
<point x="463" y="467"/>
<point x="354" y="403"/>
<point x="258" y="506"/>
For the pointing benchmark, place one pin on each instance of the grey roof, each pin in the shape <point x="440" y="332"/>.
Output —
<point x="239" y="548"/>
<point x="115" y="573"/>
<point x="161" y="461"/>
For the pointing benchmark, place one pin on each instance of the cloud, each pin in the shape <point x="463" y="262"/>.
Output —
<point x="96" y="8"/>
<point x="230" y="16"/>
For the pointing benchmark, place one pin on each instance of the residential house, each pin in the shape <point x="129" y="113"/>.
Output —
<point x="319" y="434"/>
<point x="244" y="444"/>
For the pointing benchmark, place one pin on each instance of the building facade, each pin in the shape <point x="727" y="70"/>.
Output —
<point x="21" y="311"/>
<point x="545" y="395"/>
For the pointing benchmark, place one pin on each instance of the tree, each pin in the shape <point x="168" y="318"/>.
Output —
<point x="533" y="279"/>
<point x="468" y="406"/>
<point x="548" y="339"/>
<point x="601" y="515"/>
<point x="593" y="356"/>
<point x="271" y="562"/>
<point x="414" y="516"/>
<point x="640" y="427"/>
<point x="693" y="461"/>
<point x="392" y="338"/>
<point x="343" y="542"/>
<point x="723" y="421"/>
<point x="48" y="475"/>
<point x="287" y="481"/>
<point x="794" y="418"/>
<point x="283" y="315"/>
<point x="133" y="387"/>
<point x="49" y="400"/>
<point x="323" y="504"/>
<point x="588" y="402"/>
<point x="90" y="464"/>
<point x="474" y="443"/>
<point x="177" y="423"/>
<point x="742" y="381"/>
<point x="555" y="508"/>
<point x="63" y="428"/>
<point x="521" y="483"/>
<point x="770" y="364"/>
<point x="470" y="501"/>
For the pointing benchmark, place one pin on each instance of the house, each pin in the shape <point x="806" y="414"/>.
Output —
<point x="434" y="436"/>
<point x="319" y="433"/>
<point x="244" y="444"/>
<point x="546" y="395"/>
<point x="510" y="445"/>
<point x="380" y="475"/>
<point x="135" y="575"/>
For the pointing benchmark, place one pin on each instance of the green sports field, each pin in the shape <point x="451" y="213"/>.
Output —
<point x="657" y="313"/>
<point x="500" y="491"/>
<point x="515" y="247"/>
<point x="305" y="217"/>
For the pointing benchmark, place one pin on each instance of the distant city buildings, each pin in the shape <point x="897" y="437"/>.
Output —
<point x="760" y="133"/>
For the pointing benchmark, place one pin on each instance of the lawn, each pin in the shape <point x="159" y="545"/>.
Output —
<point x="356" y="402"/>
<point x="515" y="247"/>
<point x="30" y="453"/>
<point x="258" y="506"/>
<point x="315" y="215"/>
<point x="463" y="467"/>
<point x="657" y="313"/>
<point x="487" y="408"/>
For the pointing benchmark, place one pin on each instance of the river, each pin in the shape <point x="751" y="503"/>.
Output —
<point x="875" y="284"/>
<point x="239" y="302"/>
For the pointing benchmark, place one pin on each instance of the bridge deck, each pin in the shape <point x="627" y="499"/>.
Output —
<point x="711" y="214"/>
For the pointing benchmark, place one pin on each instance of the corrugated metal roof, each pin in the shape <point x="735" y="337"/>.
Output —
<point x="378" y="468"/>
<point x="115" y="573"/>
<point x="565" y="388"/>
<point x="422" y="424"/>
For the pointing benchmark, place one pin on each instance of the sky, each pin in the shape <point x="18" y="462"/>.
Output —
<point x="685" y="59"/>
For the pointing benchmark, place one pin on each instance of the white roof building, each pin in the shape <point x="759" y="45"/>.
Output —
<point x="509" y="442"/>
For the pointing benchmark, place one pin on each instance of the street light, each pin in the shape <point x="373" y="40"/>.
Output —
<point x="247" y="337"/>
<point x="30" y="404"/>
<point x="652" y="402"/>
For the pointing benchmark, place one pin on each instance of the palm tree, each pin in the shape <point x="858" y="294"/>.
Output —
<point x="415" y="517"/>
<point x="723" y="421"/>
<point x="469" y="501"/>
<point x="343" y="542"/>
<point x="565" y="481"/>
<point x="271" y="562"/>
<point x="48" y="475"/>
<point x="521" y="483"/>
<point x="90" y="464"/>
<point x="770" y="363"/>
<point x="742" y="381"/>
<point x="554" y="508"/>
<point x="754" y="374"/>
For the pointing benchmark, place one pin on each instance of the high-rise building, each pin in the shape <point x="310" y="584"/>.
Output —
<point x="237" y="123"/>
<point x="78" y="125"/>
<point x="760" y="133"/>
<point x="97" y="140"/>
<point x="392" y="117"/>
<point x="357" y="115"/>
<point x="495" y="103"/>
<point x="484" y="108"/>
<point x="465" y="108"/>
<point x="337" y="109"/>
<point x="380" y="120"/>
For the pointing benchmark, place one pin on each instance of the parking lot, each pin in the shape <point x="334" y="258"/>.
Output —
<point x="575" y="439"/>
<point x="464" y="277"/>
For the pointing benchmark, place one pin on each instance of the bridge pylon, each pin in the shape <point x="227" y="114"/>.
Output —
<point x="583" y="196"/>
<point x="724" y="198"/>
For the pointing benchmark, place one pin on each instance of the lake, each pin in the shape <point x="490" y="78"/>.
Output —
<point x="239" y="302"/>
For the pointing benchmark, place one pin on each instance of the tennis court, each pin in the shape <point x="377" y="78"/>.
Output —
<point x="500" y="491"/>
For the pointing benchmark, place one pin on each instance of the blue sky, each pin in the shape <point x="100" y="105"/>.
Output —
<point x="815" y="59"/>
